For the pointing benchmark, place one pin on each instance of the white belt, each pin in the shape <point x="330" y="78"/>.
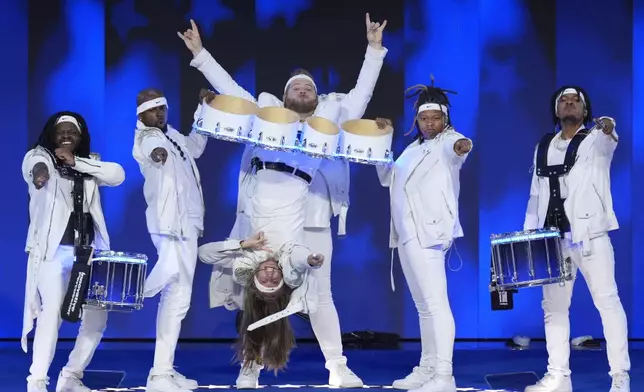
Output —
<point x="290" y="310"/>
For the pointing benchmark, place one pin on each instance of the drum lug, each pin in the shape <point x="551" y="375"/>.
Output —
<point x="369" y="153"/>
<point x="324" y="148"/>
<point x="217" y="128"/>
<point x="387" y="154"/>
<point x="304" y="142"/>
<point x="260" y="137"/>
<point x="282" y="141"/>
<point x="338" y="149"/>
<point x="250" y="134"/>
<point x="98" y="290"/>
<point x="239" y="131"/>
<point x="349" y="149"/>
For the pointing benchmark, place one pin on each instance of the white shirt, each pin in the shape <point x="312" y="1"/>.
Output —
<point x="194" y="208"/>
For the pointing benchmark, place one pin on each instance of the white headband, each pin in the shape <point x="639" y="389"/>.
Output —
<point x="265" y="289"/>
<point x="570" y="91"/>
<point x="300" y="76"/>
<point x="68" y="119"/>
<point x="153" y="103"/>
<point x="433" y="106"/>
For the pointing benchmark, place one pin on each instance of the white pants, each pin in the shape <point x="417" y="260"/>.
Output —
<point x="325" y="321"/>
<point x="424" y="270"/>
<point x="53" y="279"/>
<point x="597" y="265"/>
<point x="175" y="300"/>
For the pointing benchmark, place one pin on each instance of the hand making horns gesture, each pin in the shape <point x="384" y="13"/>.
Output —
<point x="374" y="32"/>
<point x="191" y="38"/>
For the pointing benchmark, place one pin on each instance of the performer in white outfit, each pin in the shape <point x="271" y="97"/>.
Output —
<point x="328" y="193"/>
<point x="571" y="191"/>
<point x="174" y="217"/>
<point x="273" y="266"/>
<point x="424" y="188"/>
<point x="62" y="153"/>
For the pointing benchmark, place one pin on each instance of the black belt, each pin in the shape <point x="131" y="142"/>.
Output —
<point x="280" y="167"/>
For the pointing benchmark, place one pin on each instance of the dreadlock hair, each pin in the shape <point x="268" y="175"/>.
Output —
<point x="271" y="344"/>
<point x="47" y="141"/>
<point x="553" y="105"/>
<point x="427" y="94"/>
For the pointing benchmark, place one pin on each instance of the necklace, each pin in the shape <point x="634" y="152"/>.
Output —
<point x="561" y="144"/>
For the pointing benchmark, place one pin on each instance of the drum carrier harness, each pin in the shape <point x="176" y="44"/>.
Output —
<point x="556" y="215"/>
<point x="79" y="234"/>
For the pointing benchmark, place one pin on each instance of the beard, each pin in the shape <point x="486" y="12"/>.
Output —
<point x="301" y="107"/>
<point x="571" y="119"/>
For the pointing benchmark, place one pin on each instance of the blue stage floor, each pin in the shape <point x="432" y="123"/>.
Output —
<point x="210" y="364"/>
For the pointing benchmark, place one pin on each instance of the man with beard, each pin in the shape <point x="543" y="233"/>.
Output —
<point x="328" y="193"/>
<point x="64" y="200"/>
<point x="174" y="218"/>
<point x="578" y="202"/>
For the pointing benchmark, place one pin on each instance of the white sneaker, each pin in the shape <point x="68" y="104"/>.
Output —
<point x="183" y="381"/>
<point x="414" y="379"/>
<point x="340" y="376"/>
<point x="70" y="383"/>
<point x="438" y="383"/>
<point x="621" y="383"/>
<point x="163" y="383"/>
<point x="552" y="383"/>
<point x="249" y="377"/>
<point x="37" y="385"/>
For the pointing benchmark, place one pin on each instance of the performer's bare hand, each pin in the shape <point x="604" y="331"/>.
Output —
<point x="40" y="175"/>
<point x="383" y="122"/>
<point x="192" y="39"/>
<point x="206" y="94"/>
<point x="374" y="32"/>
<point x="65" y="156"/>
<point x="462" y="146"/>
<point x="159" y="154"/>
<point x="256" y="242"/>
<point x="315" y="260"/>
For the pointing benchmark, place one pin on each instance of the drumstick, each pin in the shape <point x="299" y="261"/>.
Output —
<point x="602" y="126"/>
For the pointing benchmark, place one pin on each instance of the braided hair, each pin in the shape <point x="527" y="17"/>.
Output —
<point x="47" y="136"/>
<point x="587" y="106"/>
<point x="428" y="94"/>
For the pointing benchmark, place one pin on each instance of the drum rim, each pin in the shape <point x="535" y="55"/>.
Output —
<point x="277" y="109"/>
<point x="369" y="124"/>
<point x="326" y="122"/>
<point x="249" y="107"/>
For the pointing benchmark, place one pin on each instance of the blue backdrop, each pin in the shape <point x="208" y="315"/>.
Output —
<point x="504" y="57"/>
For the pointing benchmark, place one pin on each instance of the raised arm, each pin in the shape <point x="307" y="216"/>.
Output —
<point x="531" y="221"/>
<point x="206" y="64"/>
<point x="105" y="173"/>
<point x="355" y="102"/>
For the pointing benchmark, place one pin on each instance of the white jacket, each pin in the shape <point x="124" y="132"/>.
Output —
<point x="49" y="215"/>
<point x="432" y="192"/>
<point x="589" y="205"/>
<point x="163" y="214"/>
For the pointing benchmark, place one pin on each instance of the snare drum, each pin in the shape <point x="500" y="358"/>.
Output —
<point x="117" y="280"/>
<point x="361" y="141"/>
<point x="275" y="128"/>
<point x="227" y="118"/>
<point x="527" y="259"/>
<point x="320" y="138"/>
